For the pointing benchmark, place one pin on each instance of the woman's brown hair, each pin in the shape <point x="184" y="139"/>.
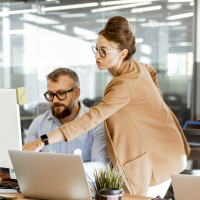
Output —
<point x="118" y="30"/>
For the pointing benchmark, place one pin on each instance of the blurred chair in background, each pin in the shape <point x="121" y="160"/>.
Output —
<point x="180" y="109"/>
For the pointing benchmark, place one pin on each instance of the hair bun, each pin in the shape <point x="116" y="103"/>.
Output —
<point x="132" y="28"/>
<point x="119" y="30"/>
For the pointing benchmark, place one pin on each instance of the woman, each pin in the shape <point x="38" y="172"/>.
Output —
<point x="143" y="135"/>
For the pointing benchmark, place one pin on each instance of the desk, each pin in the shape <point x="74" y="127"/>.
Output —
<point x="125" y="197"/>
<point x="20" y="197"/>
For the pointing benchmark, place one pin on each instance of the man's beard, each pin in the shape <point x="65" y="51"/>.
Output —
<point x="62" y="114"/>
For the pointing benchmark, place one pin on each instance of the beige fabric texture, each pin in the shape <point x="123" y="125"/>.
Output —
<point x="143" y="135"/>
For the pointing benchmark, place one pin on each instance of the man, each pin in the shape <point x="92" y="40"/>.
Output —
<point x="63" y="93"/>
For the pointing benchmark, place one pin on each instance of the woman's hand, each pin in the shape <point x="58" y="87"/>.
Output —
<point x="55" y="136"/>
<point x="36" y="145"/>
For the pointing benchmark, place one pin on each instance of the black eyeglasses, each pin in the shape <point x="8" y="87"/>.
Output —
<point x="62" y="95"/>
<point x="102" y="52"/>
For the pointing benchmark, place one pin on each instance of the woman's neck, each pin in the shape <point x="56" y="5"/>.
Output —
<point x="113" y="70"/>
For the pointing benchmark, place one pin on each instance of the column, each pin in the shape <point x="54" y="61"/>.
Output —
<point x="196" y="71"/>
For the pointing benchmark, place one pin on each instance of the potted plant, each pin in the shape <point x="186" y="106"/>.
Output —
<point x="105" y="181"/>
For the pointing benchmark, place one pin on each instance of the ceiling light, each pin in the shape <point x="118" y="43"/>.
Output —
<point x="54" y="13"/>
<point x="128" y="19"/>
<point x="120" y="7"/>
<point x="82" y="31"/>
<point x="175" y="1"/>
<point x="74" y="6"/>
<point x="110" y="3"/>
<point x="185" y="15"/>
<point x="141" y="20"/>
<point x="13" y="12"/>
<point x="139" y="40"/>
<point x="38" y="19"/>
<point x="192" y="3"/>
<point x="156" y="24"/>
<point x="74" y="15"/>
<point x="14" y="32"/>
<point x="173" y="6"/>
<point x="145" y="59"/>
<point x="184" y="44"/>
<point x="179" y="28"/>
<point x="169" y="73"/>
<point x="136" y="20"/>
<point x="101" y="20"/>
<point x="4" y="14"/>
<point x="91" y="37"/>
<point x="131" y="19"/>
<point x="60" y="27"/>
<point x="10" y="3"/>
<point x="136" y="10"/>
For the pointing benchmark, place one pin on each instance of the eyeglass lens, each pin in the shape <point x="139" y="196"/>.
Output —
<point x="59" y="95"/>
<point x="101" y="51"/>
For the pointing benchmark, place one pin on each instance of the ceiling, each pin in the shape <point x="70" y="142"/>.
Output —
<point x="84" y="24"/>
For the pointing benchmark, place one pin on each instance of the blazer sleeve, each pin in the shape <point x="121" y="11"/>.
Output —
<point x="153" y="74"/>
<point x="116" y="96"/>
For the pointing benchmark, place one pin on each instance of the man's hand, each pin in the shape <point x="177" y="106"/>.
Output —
<point x="36" y="145"/>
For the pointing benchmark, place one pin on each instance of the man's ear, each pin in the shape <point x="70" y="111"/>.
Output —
<point x="77" y="93"/>
<point x="124" y="53"/>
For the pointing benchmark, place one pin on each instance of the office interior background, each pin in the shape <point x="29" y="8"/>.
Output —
<point x="38" y="36"/>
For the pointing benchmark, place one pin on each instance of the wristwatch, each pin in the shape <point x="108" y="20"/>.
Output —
<point x="45" y="139"/>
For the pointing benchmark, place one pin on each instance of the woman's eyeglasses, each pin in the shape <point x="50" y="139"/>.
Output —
<point x="102" y="52"/>
<point x="62" y="95"/>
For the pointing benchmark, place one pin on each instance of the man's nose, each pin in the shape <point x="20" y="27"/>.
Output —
<point x="55" y="99"/>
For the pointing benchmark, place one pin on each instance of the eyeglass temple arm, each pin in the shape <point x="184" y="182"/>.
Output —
<point x="112" y="51"/>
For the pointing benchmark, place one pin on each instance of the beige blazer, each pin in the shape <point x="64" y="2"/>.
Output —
<point x="143" y="135"/>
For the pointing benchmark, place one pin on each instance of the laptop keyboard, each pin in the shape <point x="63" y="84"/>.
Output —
<point x="9" y="186"/>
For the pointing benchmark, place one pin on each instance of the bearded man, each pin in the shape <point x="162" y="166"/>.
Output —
<point x="63" y="91"/>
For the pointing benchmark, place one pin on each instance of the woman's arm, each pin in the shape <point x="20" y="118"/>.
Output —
<point x="117" y="95"/>
<point x="37" y="145"/>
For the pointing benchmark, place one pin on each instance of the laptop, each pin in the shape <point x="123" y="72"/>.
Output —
<point x="50" y="175"/>
<point x="186" y="187"/>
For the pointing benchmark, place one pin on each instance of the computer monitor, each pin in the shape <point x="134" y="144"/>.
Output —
<point x="10" y="130"/>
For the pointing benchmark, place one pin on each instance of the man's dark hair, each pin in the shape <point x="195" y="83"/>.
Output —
<point x="57" y="73"/>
